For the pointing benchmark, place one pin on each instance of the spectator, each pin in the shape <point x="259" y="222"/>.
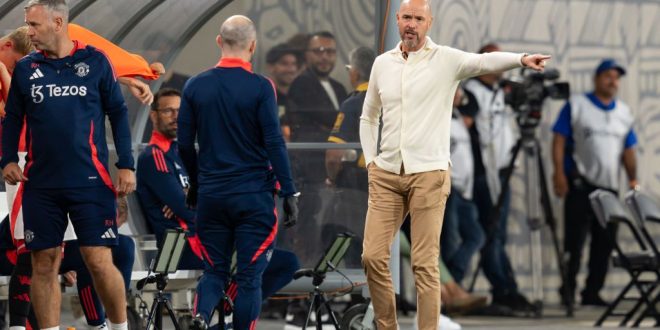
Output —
<point x="315" y="97"/>
<point x="299" y="42"/>
<point x="314" y="101"/>
<point x="345" y="167"/>
<point x="492" y="140"/>
<point x="283" y="64"/>
<point x="462" y="235"/>
<point x="350" y="174"/>
<point x="593" y="137"/>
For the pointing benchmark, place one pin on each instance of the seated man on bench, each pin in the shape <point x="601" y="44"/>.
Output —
<point x="162" y="185"/>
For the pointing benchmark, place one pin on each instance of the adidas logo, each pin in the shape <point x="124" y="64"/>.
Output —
<point x="108" y="234"/>
<point x="36" y="74"/>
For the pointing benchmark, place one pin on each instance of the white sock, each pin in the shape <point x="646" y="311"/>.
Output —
<point x="119" y="326"/>
<point x="16" y="327"/>
<point x="51" y="328"/>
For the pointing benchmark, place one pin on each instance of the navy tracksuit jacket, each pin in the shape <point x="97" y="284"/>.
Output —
<point x="232" y="113"/>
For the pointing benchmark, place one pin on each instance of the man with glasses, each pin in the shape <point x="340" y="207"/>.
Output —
<point x="162" y="179"/>
<point x="314" y="103"/>
<point x="315" y="97"/>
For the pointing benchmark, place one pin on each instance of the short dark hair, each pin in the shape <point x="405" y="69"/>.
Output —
<point x="162" y="93"/>
<point x="489" y="47"/>
<point x="321" y="34"/>
<point x="281" y="50"/>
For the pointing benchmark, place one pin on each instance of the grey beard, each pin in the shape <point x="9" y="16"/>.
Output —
<point x="410" y="44"/>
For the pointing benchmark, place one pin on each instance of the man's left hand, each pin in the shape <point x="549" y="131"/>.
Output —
<point x="290" y="207"/>
<point x="125" y="182"/>
<point x="167" y="212"/>
<point x="535" y="61"/>
<point x="633" y="184"/>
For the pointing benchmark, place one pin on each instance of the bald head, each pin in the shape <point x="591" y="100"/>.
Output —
<point x="414" y="20"/>
<point x="416" y="4"/>
<point x="237" y="33"/>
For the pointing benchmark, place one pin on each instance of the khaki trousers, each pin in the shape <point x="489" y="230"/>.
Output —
<point x="391" y="197"/>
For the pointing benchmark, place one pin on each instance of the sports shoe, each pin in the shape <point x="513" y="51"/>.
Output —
<point x="444" y="323"/>
<point x="594" y="301"/>
<point x="198" y="323"/>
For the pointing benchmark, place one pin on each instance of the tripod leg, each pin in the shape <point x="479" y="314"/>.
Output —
<point x="158" y="323"/>
<point x="552" y="224"/>
<point x="333" y="317"/>
<point x="155" y="307"/>
<point x="170" y="310"/>
<point x="319" y="310"/>
<point x="311" y="309"/>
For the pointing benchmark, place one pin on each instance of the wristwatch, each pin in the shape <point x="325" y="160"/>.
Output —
<point x="522" y="58"/>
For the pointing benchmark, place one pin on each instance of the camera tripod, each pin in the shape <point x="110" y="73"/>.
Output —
<point x="318" y="299"/>
<point x="155" y="317"/>
<point x="536" y="190"/>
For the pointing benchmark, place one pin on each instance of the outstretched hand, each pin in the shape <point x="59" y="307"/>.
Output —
<point x="535" y="61"/>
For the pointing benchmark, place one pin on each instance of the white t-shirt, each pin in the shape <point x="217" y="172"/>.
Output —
<point x="462" y="161"/>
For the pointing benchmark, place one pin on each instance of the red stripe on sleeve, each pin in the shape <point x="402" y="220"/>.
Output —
<point x="105" y="176"/>
<point x="159" y="167"/>
<point x="162" y="161"/>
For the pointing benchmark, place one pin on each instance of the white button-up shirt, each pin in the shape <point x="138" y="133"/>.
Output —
<point x="416" y="97"/>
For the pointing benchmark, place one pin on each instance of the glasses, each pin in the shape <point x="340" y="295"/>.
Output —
<point x="168" y="111"/>
<point x="323" y="50"/>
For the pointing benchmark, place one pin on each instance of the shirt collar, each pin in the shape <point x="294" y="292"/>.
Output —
<point x="362" y="87"/>
<point x="77" y="45"/>
<point x="160" y="141"/>
<point x="596" y="101"/>
<point x="234" y="62"/>
<point x="428" y="44"/>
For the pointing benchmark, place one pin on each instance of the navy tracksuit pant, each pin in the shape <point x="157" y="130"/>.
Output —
<point x="246" y="223"/>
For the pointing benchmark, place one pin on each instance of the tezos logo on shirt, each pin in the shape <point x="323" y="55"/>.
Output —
<point x="37" y="91"/>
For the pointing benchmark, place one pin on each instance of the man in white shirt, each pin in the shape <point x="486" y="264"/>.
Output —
<point x="414" y="85"/>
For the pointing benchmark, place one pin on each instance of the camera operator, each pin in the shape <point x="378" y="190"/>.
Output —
<point x="492" y="140"/>
<point x="593" y="135"/>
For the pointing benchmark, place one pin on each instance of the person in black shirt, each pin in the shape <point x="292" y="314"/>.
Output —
<point x="283" y="66"/>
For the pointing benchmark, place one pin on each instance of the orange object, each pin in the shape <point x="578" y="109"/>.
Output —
<point x="126" y="64"/>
